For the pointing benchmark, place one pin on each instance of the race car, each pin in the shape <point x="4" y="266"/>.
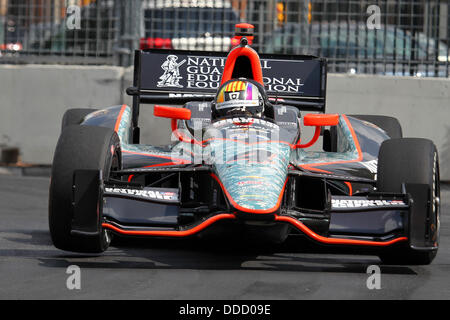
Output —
<point x="238" y="162"/>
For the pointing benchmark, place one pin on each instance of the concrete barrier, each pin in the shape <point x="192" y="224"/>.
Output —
<point x="34" y="98"/>
<point x="421" y="105"/>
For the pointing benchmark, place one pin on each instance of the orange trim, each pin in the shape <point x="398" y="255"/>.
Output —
<point x="228" y="216"/>
<point x="358" y="148"/>
<point x="183" y="233"/>
<point x="335" y="241"/>
<point x="314" y="120"/>
<point x="231" y="61"/>
<point x="245" y="25"/>
<point x="350" y="188"/>
<point x="307" y="167"/>
<point x="240" y="208"/>
<point x="119" y="118"/>
<point x="172" y="112"/>
<point x="313" y="140"/>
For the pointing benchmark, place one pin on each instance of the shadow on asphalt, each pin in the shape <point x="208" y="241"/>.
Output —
<point x="196" y="254"/>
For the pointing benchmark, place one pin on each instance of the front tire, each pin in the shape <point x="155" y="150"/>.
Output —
<point x="79" y="148"/>
<point x="75" y="117"/>
<point x="415" y="161"/>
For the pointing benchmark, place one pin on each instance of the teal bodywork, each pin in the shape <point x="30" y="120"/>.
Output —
<point x="250" y="165"/>
<point x="254" y="175"/>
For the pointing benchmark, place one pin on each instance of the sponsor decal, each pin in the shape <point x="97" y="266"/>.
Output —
<point x="171" y="76"/>
<point x="147" y="194"/>
<point x="204" y="73"/>
<point x="238" y="121"/>
<point x="283" y="84"/>
<point x="287" y="124"/>
<point x="188" y="95"/>
<point x="251" y="182"/>
<point x="361" y="203"/>
<point x="231" y="103"/>
<point x="234" y="95"/>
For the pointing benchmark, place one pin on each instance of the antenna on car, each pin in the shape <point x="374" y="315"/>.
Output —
<point x="244" y="35"/>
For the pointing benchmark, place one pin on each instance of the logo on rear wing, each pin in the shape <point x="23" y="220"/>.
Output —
<point x="171" y="76"/>
<point x="201" y="73"/>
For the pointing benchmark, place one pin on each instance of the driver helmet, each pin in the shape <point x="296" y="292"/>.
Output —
<point x="239" y="97"/>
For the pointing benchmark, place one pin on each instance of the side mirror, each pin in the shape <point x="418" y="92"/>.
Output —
<point x="172" y="113"/>
<point x="318" y="120"/>
<point x="321" y="120"/>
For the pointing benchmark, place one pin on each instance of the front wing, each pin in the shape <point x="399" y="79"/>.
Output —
<point x="372" y="220"/>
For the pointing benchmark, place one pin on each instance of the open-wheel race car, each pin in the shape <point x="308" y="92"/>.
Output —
<point x="238" y="163"/>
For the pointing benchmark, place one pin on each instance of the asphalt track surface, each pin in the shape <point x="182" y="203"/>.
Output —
<point x="31" y="268"/>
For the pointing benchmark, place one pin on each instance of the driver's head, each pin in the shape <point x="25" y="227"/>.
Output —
<point x="240" y="97"/>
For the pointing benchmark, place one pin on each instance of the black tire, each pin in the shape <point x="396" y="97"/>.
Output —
<point x="390" y="125"/>
<point x="79" y="147"/>
<point x="75" y="116"/>
<point x="410" y="160"/>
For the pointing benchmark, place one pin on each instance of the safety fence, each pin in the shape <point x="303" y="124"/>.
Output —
<point x="389" y="37"/>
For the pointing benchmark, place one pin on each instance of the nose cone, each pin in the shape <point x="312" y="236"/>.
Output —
<point x="253" y="178"/>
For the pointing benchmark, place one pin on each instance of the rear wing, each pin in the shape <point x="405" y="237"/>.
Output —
<point x="176" y="77"/>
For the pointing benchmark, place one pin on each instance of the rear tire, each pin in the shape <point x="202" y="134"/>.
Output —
<point x="410" y="160"/>
<point x="78" y="148"/>
<point x="390" y="125"/>
<point x="75" y="117"/>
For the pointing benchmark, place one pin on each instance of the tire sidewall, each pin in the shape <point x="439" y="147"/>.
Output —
<point x="79" y="147"/>
<point x="415" y="161"/>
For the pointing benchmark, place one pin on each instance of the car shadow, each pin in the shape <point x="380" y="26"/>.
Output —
<point x="194" y="254"/>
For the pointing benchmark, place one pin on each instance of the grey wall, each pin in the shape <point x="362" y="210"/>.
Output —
<point x="421" y="105"/>
<point x="34" y="98"/>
